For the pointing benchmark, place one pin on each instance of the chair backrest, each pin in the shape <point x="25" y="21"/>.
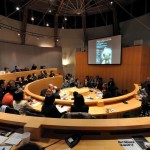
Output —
<point x="78" y="115"/>
<point x="34" y="113"/>
<point x="11" y="111"/>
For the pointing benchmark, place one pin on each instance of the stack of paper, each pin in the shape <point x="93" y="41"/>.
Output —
<point x="15" y="139"/>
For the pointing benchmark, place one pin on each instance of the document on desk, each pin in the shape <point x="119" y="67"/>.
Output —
<point x="2" y="139"/>
<point x="62" y="108"/>
<point x="36" y="104"/>
<point x="15" y="139"/>
<point x="128" y="144"/>
<point x="5" y="147"/>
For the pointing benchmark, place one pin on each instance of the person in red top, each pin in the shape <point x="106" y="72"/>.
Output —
<point x="8" y="97"/>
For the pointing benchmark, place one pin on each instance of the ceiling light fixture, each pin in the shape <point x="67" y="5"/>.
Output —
<point x="47" y="24"/>
<point x="65" y="18"/>
<point x="50" y="11"/>
<point x="111" y="2"/>
<point x="17" y="8"/>
<point x="32" y="18"/>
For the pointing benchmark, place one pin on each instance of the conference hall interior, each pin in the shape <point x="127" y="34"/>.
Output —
<point x="74" y="74"/>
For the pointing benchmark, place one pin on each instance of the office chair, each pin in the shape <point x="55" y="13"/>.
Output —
<point x="77" y="115"/>
<point x="34" y="113"/>
<point x="11" y="111"/>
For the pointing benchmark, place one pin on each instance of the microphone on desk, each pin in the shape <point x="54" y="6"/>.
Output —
<point x="73" y="140"/>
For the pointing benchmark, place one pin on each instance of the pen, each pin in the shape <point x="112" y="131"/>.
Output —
<point x="3" y="148"/>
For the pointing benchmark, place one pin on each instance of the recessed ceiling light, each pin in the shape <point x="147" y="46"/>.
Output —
<point x="50" y="11"/>
<point x="17" y="8"/>
<point x="47" y="24"/>
<point x="111" y="2"/>
<point x="32" y="18"/>
<point x="65" y="18"/>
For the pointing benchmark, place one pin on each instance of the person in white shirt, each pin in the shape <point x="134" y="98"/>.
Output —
<point x="19" y="103"/>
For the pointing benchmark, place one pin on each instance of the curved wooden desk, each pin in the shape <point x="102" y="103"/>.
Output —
<point x="36" y="125"/>
<point x="98" y="106"/>
<point x="13" y="76"/>
<point x="34" y="88"/>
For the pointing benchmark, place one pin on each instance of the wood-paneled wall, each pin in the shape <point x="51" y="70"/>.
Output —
<point x="133" y="69"/>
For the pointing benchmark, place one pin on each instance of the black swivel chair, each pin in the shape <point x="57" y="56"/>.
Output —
<point x="11" y="111"/>
<point x="77" y="115"/>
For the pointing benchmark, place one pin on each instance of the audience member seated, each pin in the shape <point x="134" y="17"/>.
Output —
<point x="11" y="83"/>
<point x="29" y="78"/>
<point x="105" y="91"/>
<point x="52" y="74"/>
<point x="98" y="85"/>
<point x="75" y="93"/>
<point x="41" y="75"/>
<point x="49" y="109"/>
<point x="16" y="69"/>
<point x="91" y="82"/>
<point x="3" y="108"/>
<point x="34" y="77"/>
<point x="19" y="82"/>
<point x="3" y="89"/>
<point x="65" y="84"/>
<point x="6" y="70"/>
<point x="19" y="103"/>
<point x="7" y="109"/>
<point x="26" y="69"/>
<point x="42" y="67"/>
<point x="8" y="97"/>
<point x="46" y="74"/>
<point x="34" y="67"/>
<point x="79" y="104"/>
<point x="48" y="92"/>
<point x="77" y="83"/>
<point x="112" y="87"/>
<point x="43" y="92"/>
<point x="86" y="83"/>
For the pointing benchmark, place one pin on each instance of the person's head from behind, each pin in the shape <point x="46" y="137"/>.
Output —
<point x="3" y="84"/>
<point x="51" y="86"/>
<point x="48" y="92"/>
<point x="49" y="100"/>
<point x="6" y="69"/>
<point x="75" y="93"/>
<point x="18" y="95"/>
<point x="79" y="100"/>
<point x="11" y="83"/>
<point x="12" y="90"/>
<point x="29" y="146"/>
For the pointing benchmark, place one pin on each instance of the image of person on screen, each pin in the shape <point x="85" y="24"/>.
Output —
<point x="106" y="56"/>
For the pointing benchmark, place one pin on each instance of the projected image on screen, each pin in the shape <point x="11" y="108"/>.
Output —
<point x="105" y="50"/>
